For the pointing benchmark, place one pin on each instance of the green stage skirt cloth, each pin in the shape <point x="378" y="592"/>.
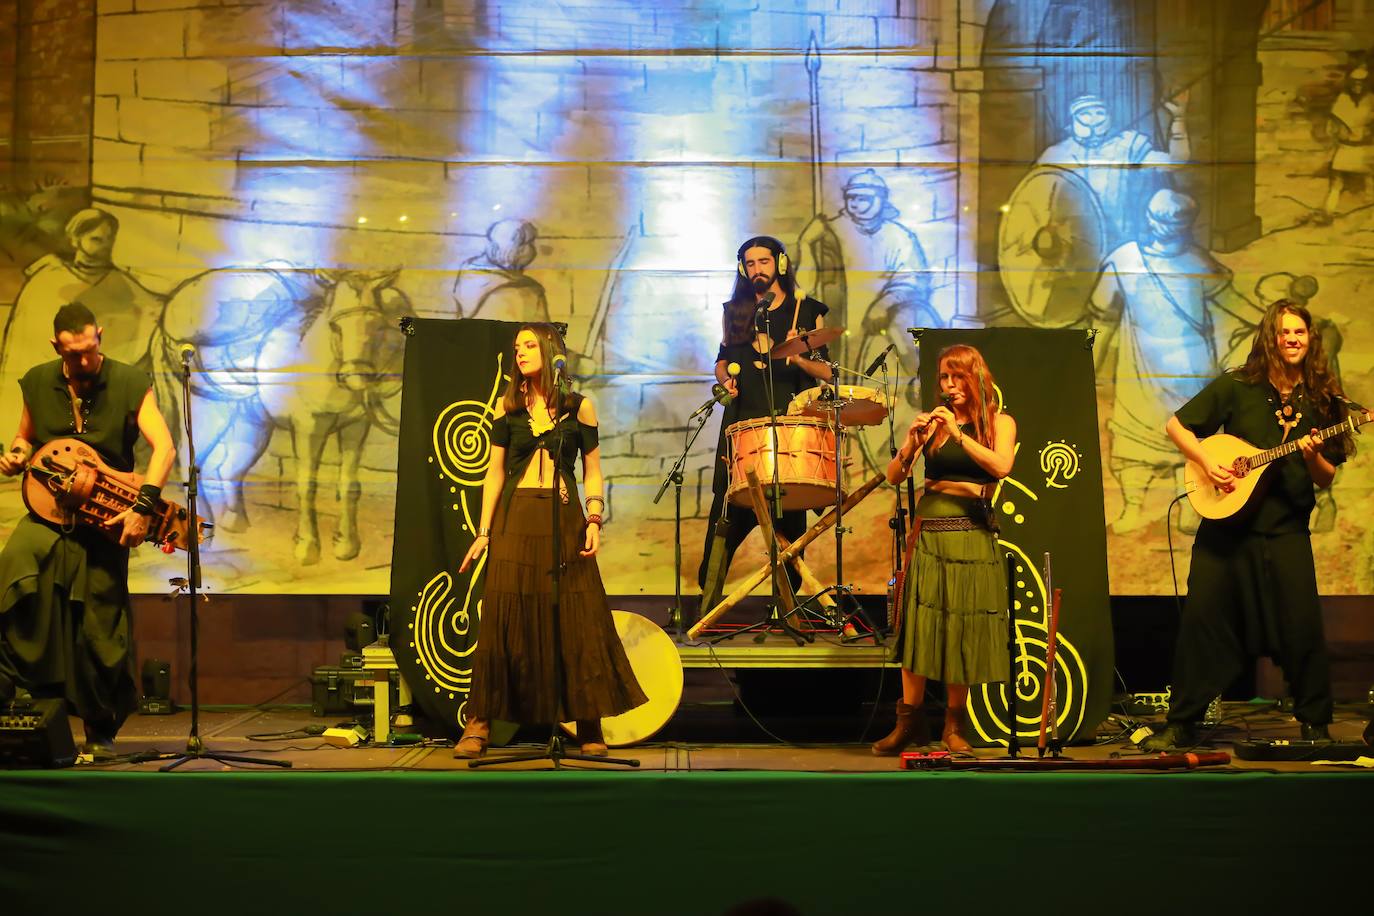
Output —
<point x="513" y="665"/>
<point x="66" y="621"/>
<point x="954" y="621"/>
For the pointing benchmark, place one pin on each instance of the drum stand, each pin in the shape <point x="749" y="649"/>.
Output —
<point x="790" y="553"/>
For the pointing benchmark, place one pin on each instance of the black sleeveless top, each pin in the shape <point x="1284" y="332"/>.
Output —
<point x="109" y="410"/>
<point x="513" y="432"/>
<point x="954" y="464"/>
<point x="789" y="380"/>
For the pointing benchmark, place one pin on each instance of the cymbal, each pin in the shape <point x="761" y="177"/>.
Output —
<point x="804" y="342"/>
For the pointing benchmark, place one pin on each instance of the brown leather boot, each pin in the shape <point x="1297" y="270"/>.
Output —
<point x="953" y="741"/>
<point x="910" y="729"/>
<point x="473" y="744"/>
<point x="589" y="737"/>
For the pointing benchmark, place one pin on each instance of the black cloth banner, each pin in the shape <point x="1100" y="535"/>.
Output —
<point x="455" y="375"/>
<point x="1052" y="501"/>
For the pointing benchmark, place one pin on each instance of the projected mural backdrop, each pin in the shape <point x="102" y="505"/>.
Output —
<point x="277" y="183"/>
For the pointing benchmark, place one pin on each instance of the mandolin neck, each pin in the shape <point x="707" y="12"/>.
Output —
<point x="1346" y="426"/>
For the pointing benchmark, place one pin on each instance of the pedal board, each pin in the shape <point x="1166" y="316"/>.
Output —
<point x="925" y="760"/>
<point x="1297" y="750"/>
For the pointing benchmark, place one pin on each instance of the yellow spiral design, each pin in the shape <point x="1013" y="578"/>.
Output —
<point x="462" y="441"/>
<point x="1059" y="462"/>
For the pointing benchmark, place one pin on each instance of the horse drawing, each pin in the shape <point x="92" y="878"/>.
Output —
<point x="313" y="353"/>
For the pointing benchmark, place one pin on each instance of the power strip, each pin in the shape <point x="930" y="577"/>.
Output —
<point x="345" y="737"/>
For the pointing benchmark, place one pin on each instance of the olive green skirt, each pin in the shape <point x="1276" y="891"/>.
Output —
<point x="954" y="616"/>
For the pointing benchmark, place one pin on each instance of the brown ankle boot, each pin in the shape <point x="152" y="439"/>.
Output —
<point x="589" y="737"/>
<point x="910" y="729"/>
<point x="473" y="744"/>
<point x="953" y="741"/>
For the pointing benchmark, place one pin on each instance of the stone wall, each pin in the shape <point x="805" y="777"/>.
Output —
<point x="394" y="135"/>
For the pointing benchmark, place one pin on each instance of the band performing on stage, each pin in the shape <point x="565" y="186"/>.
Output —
<point x="549" y="650"/>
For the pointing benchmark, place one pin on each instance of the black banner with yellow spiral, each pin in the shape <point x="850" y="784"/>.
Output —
<point x="454" y="376"/>
<point x="1051" y="502"/>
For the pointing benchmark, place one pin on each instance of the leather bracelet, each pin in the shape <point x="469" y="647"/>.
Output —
<point x="600" y="499"/>
<point x="146" y="503"/>
<point x="484" y="532"/>
<point x="594" y="519"/>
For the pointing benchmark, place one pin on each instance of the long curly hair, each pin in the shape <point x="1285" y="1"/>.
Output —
<point x="738" y="320"/>
<point x="1266" y="364"/>
<point x="967" y="365"/>
<point x="550" y="345"/>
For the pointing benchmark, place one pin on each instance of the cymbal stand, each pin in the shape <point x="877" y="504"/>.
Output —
<point x="847" y="607"/>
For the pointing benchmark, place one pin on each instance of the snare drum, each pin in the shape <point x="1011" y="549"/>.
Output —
<point x="866" y="407"/>
<point x="805" y="460"/>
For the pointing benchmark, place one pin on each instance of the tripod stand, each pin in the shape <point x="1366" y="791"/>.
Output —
<point x="195" y="747"/>
<point x="554" y="751"/>
<point x="842" y="616"/>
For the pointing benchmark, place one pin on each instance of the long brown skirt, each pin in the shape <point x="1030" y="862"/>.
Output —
<point x="513" y="666"/>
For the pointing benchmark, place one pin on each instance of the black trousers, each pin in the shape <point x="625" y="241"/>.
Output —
<point x="740" y="521"/>
<point x="1250" y="595"/>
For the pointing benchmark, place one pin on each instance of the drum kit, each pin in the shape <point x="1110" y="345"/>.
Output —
<point x="797" y="456"/>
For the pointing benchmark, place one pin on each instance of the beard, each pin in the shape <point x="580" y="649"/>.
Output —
<point x="761" y="282"/>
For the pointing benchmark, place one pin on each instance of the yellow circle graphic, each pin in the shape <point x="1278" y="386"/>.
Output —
<point x="462" y="441"/>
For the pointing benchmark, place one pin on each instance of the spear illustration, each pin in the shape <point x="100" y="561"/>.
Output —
<point x="813" y="71"/>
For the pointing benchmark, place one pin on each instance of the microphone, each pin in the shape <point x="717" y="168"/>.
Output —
<point x="882" y="357"/>
<point x="766" y="301"/>
<point x="187" y="350"/>
<point x="719" y="393"/>
<point x="560" y="374"/>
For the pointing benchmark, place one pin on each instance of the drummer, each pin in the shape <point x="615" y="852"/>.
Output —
<point x="749" y="332"/>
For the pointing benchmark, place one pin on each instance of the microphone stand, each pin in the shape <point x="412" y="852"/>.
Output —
<point x="675" y="615"/>
<point x="195" y="747"/>
<point x="555" y="751"/>
<point x="899" y="512"/>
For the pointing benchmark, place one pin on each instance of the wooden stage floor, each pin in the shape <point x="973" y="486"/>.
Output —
<point x="702" y="737"/>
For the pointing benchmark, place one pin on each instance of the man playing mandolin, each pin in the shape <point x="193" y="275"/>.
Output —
<point x="65" y="618"/>
<point x="1252" y="589"/>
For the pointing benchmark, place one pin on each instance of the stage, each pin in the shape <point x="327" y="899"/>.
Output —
<point x="701" y="824"/>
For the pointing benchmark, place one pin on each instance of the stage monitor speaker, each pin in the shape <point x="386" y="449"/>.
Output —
<point x="157" y="689"/>
<point x="35" y="734"/>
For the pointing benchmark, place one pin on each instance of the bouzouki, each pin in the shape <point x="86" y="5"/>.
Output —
<point x="1247" y="465"/>
<point x="68" y="483"/>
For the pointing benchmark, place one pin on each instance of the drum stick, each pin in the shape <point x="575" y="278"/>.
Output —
<point x="753" y="579"/>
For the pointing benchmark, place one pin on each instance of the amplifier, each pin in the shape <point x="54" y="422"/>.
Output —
<point x="35" y="734"/>
<point x="346" y="691"/>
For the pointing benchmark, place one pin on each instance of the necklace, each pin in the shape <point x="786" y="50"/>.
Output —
<point x="1287" y="413"/>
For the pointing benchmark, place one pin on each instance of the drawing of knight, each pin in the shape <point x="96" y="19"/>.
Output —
<point x="1171" y="312"/>
<point x="881" y="262"/>
<point x="1109" y="158"/>
<point x="494" y="285"/>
